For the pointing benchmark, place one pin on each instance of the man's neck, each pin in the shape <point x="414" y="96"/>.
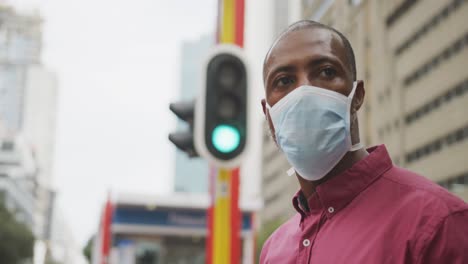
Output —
<point x="308" y="187"/>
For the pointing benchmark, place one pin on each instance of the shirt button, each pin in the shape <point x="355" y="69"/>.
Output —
<point x="306" y="242"/>
<point x="331" y="210"/>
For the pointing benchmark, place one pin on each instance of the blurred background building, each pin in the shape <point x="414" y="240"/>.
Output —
<point x="411" y="55"/>
<point x="17" y="172"/>
<point x="20" y="47"/>
<point x="28" y="96"/>
<point x="147" y="228"/>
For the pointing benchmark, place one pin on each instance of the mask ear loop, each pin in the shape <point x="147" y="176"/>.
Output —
<point x="270" y="122"/>
<point x="358" y="145"/>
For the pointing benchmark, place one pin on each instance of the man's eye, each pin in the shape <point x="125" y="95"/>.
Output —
<point x="328" y="72"/>
<point x="284" y="81"/>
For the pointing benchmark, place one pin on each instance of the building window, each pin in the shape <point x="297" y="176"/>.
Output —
<point x="355" y="2"/>
<point x="400" y="11"/>
<point x="272" y="155"/>
<point x="433" y="22"/>
<point x="381" y="97"/>
<point x="461" y="179"/>
<point x="271" y="199"/>
<point x="455" y="48"/>
<point x="437" y="145"/>
<point x="8" y="145"/>
<point x="381" y="133"/>
<point x="269" y="178"/>
<point x="454" y="92"/>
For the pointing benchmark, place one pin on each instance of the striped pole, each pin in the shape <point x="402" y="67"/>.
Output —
<point x="223" y="244"/>
<point x="106" y="239"/>
<point x="224" y="216"/>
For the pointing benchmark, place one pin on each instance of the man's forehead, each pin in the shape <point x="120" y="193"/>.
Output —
<point x="310" y="35"/>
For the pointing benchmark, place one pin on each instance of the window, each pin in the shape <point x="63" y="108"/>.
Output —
<point x="461" y="179"/>
<point x="456" y="91"/>
<point x="354" y="2"/>
<point x="8" y="145"/>
<point x="400" y="11"/>
<point x="438" y="144"/>
<point x="433" y="22"/>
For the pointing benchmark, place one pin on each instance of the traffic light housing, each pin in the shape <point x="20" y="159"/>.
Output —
<point x="184" y="140"/>
<point x="221" y="127"/>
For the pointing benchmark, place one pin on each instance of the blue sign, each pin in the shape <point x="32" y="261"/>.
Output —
<point x="168" y="217"/>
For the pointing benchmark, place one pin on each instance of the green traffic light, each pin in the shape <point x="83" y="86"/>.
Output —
<point x="225" y="138"/>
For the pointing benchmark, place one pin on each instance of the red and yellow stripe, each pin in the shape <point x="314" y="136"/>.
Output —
<point x="224" y="216"/>
<point x="224" y="222"/>
<point x="230" y="26"/>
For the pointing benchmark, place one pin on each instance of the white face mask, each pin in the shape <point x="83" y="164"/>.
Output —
<point x="312" y="128"/>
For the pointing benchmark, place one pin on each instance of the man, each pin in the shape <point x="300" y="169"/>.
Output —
<point x="354" y="205"/>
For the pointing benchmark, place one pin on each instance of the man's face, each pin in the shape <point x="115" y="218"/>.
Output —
<point x="309" y="56"/>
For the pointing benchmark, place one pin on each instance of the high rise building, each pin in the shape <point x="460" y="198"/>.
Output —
<point x="20" y="47"/>
<point x="27" y="112"/>
<point x="17" y="171"/>
<point x="38" y="127"/>
<point x="20" y="39"/>
<point x="426" y="43"/>
<point x="28" y="100"/>
<point x="28" y="106"/>
<point x="39" y="117"/>
<point x="191" y="175"/>
<point x="411" y="55"/>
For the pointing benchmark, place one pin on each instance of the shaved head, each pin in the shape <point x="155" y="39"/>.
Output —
<point x="309" y="24"/>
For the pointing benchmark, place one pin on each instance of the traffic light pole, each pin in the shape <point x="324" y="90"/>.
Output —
<point x="223" y="243"/>
<point x="224" y="216"/>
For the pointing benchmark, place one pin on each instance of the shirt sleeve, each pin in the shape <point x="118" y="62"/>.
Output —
<point x="449" y="244"/>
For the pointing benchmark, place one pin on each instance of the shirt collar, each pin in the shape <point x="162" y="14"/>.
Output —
<point x="336" y="193"/>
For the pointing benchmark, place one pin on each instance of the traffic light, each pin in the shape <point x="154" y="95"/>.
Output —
<point x="184" y="139"/>
<point x="221" y="112"/>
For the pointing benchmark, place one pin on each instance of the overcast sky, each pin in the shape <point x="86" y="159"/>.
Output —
<point x="117" y="63"/>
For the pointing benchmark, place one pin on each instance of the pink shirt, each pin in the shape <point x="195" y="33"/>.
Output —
<point x="373" y="213"/>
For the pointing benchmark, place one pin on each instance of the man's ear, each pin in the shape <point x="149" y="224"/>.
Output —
<point x="264" y="106"/>
<point x="359" y="95"/>
<point x="268" y="119"/>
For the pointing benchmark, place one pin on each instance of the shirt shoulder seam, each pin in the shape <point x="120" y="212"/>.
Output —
<point x="415" y="188"/>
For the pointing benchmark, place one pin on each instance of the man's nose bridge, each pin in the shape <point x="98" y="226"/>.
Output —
<point x="303" y="79"/>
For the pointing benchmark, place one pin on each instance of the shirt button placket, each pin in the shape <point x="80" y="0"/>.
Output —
<point x="308" y="237"/>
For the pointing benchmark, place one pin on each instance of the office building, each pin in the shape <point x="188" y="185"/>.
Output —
<point x="20" y="47"/>
<point x="427" y="43"/>
<point x="17" y="185"/>
<point x="28" y="101"/>
<point x="39" y="114"/>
